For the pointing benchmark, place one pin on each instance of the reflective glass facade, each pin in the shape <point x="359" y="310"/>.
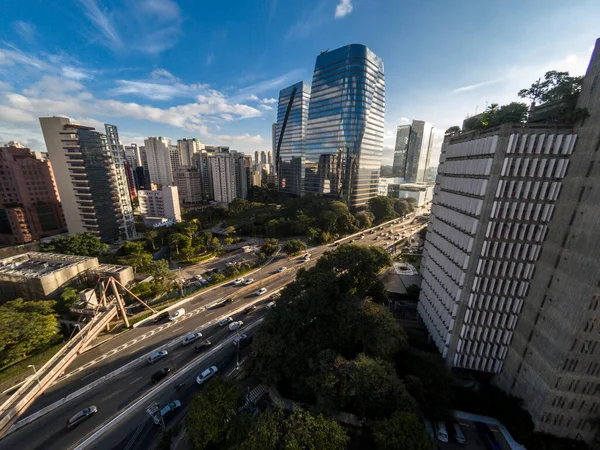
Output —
<point x="420" y="142"/>
<point x="344" y="136"/>
<point x="400" y="151"/>
<point x="293" y="103"/>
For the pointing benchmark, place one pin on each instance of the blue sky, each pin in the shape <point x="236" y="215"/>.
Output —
<point x="213" y="69"/>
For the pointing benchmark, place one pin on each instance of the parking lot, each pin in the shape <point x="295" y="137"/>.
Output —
<point x="473" y="439"/>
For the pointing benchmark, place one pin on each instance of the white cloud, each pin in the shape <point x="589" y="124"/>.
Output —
<point x="265" y="107"/>
<point x="210" y="59"/>
<point x="75" y="74"/>
<point x="309" y="20"/>
<point x="268" y="101"/>
<point x="253" y="97"/>
<point x="404" y="120"/>
<point x="343" y="8"/>
<point x="147" y="26"/>
<point x="25" y="29"/>
<point x="475" y="86"/>
<point x="162" y="74"/>
<point x="267" y="85"/>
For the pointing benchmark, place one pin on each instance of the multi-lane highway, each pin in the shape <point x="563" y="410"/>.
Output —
<point x="121" y="359"/>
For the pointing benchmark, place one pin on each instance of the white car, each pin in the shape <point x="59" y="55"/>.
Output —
<point x="167" y="410"/>
<point x="191" y="338"/>
<point x="249" y="281"/>
<point x="235" y="325"/>
<point x="261" y="291"/>
<point x="156" y="356"/>
<point x="271" y="305"/>
<point x="282" y="269"/>
<point x="307" y="257"/>
<point x="225" y="321"/>
<point x="180" y="312"/>
<point x="238" y="281"/>
<point x="206" y="375"/>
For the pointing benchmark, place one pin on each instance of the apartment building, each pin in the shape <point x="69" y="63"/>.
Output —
<point x="160" y="159"/>
<point x="163" y="202"/>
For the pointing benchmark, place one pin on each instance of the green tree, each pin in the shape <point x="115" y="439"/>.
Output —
<point x="179" y="241"/>
<point x="403" y="206"/>
<point x="382" y="208"/>
<point x="218" y="278"/>
<point x="210" y="412"/>
<point x="82" y="244"/>
<point x="270" y="246"/>
<point x="364" y="219"/>
<point x="452" y="131"/>
<point x="67" y="299"/>
<point x="228" y="241"/>
<point x="215" y="244"/>
<point x="151" y="236"/>
<point x="27" y="327"/>
<point x="139" y="261"/>
<point x="294" y="247"/>
<point x="188" y="229"/>
<point x="402" y="431"/>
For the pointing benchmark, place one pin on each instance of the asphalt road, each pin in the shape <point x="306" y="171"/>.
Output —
<point x="112" y="396"/>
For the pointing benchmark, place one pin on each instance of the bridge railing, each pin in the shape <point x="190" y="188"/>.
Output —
<point x="12" y="408"/>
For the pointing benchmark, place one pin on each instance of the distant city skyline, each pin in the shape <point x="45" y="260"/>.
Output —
<point x="92" y="65"/>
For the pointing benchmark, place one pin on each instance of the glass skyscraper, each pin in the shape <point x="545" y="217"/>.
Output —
<point x="412" y="154"/>
<point x="344" y="135"/>
<point x="290" y="137"/>
<point x="401" y="151"/>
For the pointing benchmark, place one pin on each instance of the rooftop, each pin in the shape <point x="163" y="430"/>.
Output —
<point x="38" y="265"/>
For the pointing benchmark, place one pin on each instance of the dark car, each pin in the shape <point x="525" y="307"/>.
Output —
<point x="162" y="316"/>
<point x="157" y="376"/>
<point x="202" y="346"/>
<point x="227" y="301"/>
<point x="249" y="309"/>
<point x="275" y="297"/>
<point x="81" y="416"/>
<point x="242" y="340"/>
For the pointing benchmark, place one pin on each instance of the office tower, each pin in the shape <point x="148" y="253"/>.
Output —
<point x="133" y="155"/>
<point x="292" y="117"/>
<point x="401" y="151"/>
<point x="344" y="134"/>
<point x="89" y="174"/>
<point x="163" y="202"/>
<point x="187" y="148"/>
<point x="160" y="160"/>
<point x="256" y="159"/>
<point x="269" y="158"/>
<point x="144" y="176"/>
<point x="273" y="140"/>
<point x="494" y="196"/>
<point x="256" y="177"/>
<point x="202" y="162"/>
<point x="222" y="167"/>
<point x="554" y="360"/>
<point x="414" y="148"/>
<point x="29" y="202"/>
<point x="174" y="156"/>
<point x="263" y="158"/>
<point x="241" y="175"/>
<point x="189" y="183"/>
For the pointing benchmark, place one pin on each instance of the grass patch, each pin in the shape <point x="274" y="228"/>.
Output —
<point x="38" y="361"/>
<point x="197" y="259"/>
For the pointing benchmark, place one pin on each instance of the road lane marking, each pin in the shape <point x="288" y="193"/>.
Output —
<point x="136" y="380"/>
<point x="89" y="374"/>
<point x="180" y="328"/>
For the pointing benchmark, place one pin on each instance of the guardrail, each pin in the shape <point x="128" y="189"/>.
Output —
<point x="17" y="403"/>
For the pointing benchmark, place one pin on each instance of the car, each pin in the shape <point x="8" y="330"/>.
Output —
<point x="441" y="433"/>
<point x="376" y="238"/>
<point x="275" y="296"/>
<point x="81" y="416"/>
<point x="229" y="264"/>
<point x="206" y="375"/>
<point x="238" y="281"/>
<point x="191" y="338"/>
<point x="307" y="256"/>
<point x="335" y="244"/>
<point x="458" y="434"/>
<point x="157" y="376"/>
<point x="249" y="309"/>
<point x="242" y="340"/>
<point x="167" y="410"/>
<point x="156" y="356"/>
<point x="227" y="301"/>
<point x="180" y="312"/>
<point x="199" y="277"/>
<point x="202" y="346"/>
<point x="162" y="316"/>
<point x="282" y="269"/>
<point x="261" y="291"/>
<point x="235" y="325"/>
<point x="271" y="305"/>
<point x="249" y="281"/>
<point x="225" y="321"/>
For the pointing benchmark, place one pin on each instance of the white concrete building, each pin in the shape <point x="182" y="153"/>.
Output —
<point x="494" y="197"/>
<point x="222" y="168"/>
<point x="89" y="170"/>
<point x="158" y="155"/>
<point x="187" y="149"/>
<point x="160" y="203"/>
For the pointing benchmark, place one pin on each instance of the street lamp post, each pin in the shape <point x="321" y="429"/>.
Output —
<point x="35" y="375"/>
